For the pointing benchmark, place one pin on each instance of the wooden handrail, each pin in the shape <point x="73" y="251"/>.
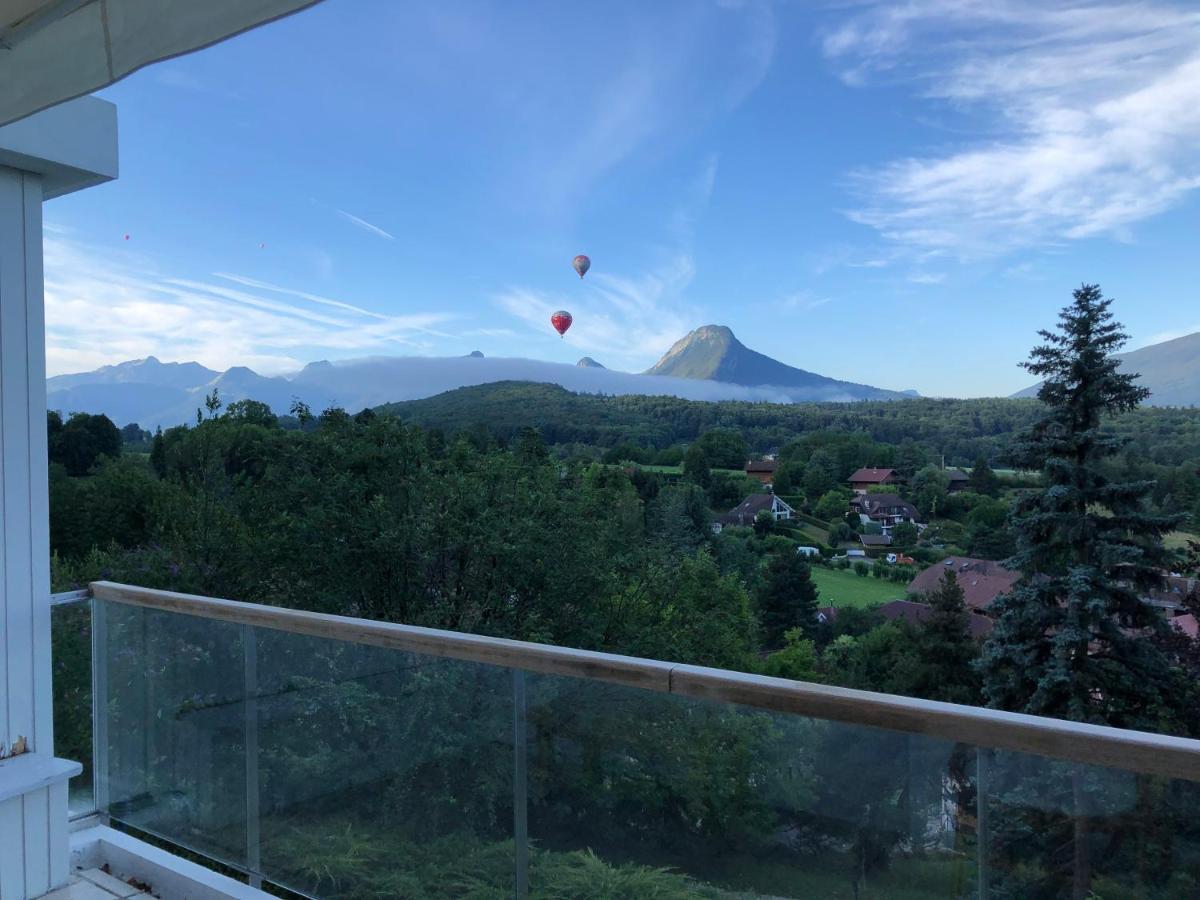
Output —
<point x="1136" y="751"/>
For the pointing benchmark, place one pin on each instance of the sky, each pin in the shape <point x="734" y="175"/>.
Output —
<point x="895" y="193"/>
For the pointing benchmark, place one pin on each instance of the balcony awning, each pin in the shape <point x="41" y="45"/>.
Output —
<point x="54" y="50"/>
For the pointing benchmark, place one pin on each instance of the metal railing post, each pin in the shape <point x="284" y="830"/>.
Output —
<point x="250" y="701"/>
<point x="520" y="789"/>
<point x="982" y="848"/>
<point x="100" y="794"/>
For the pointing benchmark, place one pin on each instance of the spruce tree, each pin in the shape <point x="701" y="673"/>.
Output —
<point x="948" y="651"/>
<point x="982" y="479"/>
<point x="787" y="600"/>
<point x="1069" y="638"/>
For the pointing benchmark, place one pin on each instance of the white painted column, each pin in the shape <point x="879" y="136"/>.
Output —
<point x="42" y="156"/>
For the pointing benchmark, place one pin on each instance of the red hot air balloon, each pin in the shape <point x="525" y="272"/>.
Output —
<point x="126" y="237"/>
<point x="581" y="264"/>
<point x="561" y="321"/>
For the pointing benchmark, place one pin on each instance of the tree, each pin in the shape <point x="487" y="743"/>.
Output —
<point x="797" y="659"/>
<point x="80" y="443"/>
<point x="982" y="479"/>
<point x="724" y="447"/>
<point x="764" y="522"/>
<point x="531" y="448"/>
<point x="158" y="453"/>
<point x="1069" y="640"/>
<point x="832" y="504"/>
<point x="948" y="651"/>
<point x="930" y="488"/>
<point x="820" y="475"/>
<point x="695" y="466"/>
<point x="252" y="412"/>
<point x="904" y="535"/>
<point x="787" y="600"/>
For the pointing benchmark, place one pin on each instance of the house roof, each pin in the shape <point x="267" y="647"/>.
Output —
<point x="744" y="512"/>
<point x="876" y="540"/>
<point x="911" y="611"/>
<point x="762" y="465"/>
<point x="1188" y="624"/>
<point x="957" y="475"/>
<point x="877" y="504"/>
<point x="982" y="580"/>
<point x="872" y="476"/>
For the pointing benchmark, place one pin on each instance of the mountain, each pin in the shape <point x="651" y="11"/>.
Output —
<point x="712" y="352"/>
<point x="1171" y="370"/>
<point x="152" y="393"/>
<point x="139" y="371"/>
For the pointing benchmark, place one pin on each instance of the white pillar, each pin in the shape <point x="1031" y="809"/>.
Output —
<point x="46" y="155"/>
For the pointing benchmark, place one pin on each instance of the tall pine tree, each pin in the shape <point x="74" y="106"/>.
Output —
<point x="1069" y="639"/>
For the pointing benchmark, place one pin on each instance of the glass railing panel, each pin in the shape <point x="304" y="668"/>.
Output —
<point x="172" y="733"/>
<point x="693" y="798"/>
<point x="71" y="657"/>
<point x="382" y="773"/>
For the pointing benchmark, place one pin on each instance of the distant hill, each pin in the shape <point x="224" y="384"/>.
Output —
<point x="1171" y="370"/>
<point x="588" y="363"/>
<point x="712" y="352"/>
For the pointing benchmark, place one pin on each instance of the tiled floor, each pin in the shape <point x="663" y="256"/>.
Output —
<point x="92" y="884"/>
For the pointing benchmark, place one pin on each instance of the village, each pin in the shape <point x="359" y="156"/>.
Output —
<point x="871" y="566"/>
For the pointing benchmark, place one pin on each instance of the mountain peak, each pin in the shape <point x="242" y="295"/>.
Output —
<point x="588" y="363"/>
<point x="714" y="353"/>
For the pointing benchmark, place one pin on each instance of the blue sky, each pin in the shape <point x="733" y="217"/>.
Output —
<point x="896" y="193"/>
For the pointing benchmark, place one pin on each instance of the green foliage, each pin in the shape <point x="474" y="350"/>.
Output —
<point x="797" y="659"/>
<point x="725" y="448"/>
<point x="832" y="504"/>
<point x="696" y="467"/>
<point x="982" y="479"/>
<point x="82" y="441"/>
<point x="861" y="569"/>
<point x="787" y="599"/>
<point x="904" y="535"/>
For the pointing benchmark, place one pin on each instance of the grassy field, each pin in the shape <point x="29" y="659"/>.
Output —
<point x="844" y="588"/>
<point x="1178" y="540"/>
<point x="678" y="470"/>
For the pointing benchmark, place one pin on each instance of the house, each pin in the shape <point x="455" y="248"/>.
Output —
<point x="981" y="580"/>
<point x="863" y="479"/>
<point x="914" y="613"/>
<point x="746" y="511"/>
<point x="959" y="480"/>
<point x="874" y="541"/>
<point x="762" y="469"/>
<point x="885" y="509"/>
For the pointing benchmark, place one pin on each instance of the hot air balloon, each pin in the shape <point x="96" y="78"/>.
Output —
<point x="126" y="237"/>
<point x="561" y="321"/>
<point x="581" y="264"/>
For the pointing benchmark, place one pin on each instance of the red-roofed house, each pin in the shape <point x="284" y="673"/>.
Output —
<point x="982" y="580"/>
<point x="868" y="478"/>
<point x="762" y="469"/>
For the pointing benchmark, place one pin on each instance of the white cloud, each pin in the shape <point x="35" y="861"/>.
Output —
<point x="627" y="321"/>
<point x="1095" y="108"/>
<point x="927" y="277"/>
<point x="364" y="224"/>
<point x="99" y="311"/>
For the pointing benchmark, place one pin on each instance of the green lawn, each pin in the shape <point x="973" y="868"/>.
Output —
<point x="1178" y="540"/>
<point x="844" y="588"/>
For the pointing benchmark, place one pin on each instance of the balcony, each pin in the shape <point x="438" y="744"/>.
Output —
<point x="331" y="757"/>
